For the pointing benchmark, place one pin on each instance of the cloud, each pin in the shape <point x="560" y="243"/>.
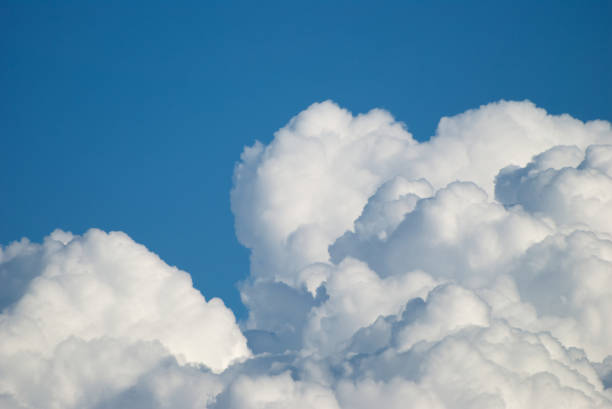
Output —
<point x="356" y="297"/>
<point x="106" y="373"/>
<point x="472" y="270"/>
<point x="570" y="193"/>
<point x="99" y="312"/>
<point x="294" y="197"/>
<point x="484" y="213"/>
<point x="280" y="391"/>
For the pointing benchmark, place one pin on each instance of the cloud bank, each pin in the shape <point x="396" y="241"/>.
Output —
<point x="473" y="270"/>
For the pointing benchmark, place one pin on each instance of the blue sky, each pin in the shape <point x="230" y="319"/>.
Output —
<point x="131" y="117"/>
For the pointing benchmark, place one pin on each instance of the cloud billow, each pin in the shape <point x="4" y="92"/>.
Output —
<point x="473" y="270"/>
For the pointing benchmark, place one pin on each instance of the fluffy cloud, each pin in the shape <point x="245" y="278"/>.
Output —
<point x="357" y="296"/>
<point x="276" y="392"/>
<point x="472" y="270"/>
<point x="106" y="373"/>
<point x="553" y="184"/>
<point x="90" y="310"/>
<point x="294" y="197"/>
<point x="425" y="263"/>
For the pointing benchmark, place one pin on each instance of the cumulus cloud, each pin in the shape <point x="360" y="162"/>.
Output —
<point x="570" y="193"/>
<point x="98" y="312"/>
<point x="473" y="270"/>
<point x="280" y="391"/>
<point x="294" y="197"/>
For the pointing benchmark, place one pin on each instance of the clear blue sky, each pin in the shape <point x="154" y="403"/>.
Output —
<point x="131" y="117"/>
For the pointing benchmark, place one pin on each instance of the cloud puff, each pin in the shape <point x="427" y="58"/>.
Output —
<point x="294" y="197"/>
<point x="280" y="391"/>
<point x="554" y="185"/>
<point x="84" y="325"/>
<point x="420" y="257"/>
<point x="106" y="373"/>
<point x="472" y="270"/>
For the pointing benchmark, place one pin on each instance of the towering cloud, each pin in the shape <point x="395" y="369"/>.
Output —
<point x="473" y="270"/>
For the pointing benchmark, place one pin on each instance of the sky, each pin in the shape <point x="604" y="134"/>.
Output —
<point x="330" y="205"/>
<point x="132" y="117"/>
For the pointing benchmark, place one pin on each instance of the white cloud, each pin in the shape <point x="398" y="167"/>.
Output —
<point x="276" y="392"/>
<point x="292" y="198"/>
<point x="357" y="296"/>
<point x="449" y="308"/>
<point x="395" y="394"/>
<point x="431" y="207"/>
<point x="502" y="367"/>
<point x="106" y="373"/>
<point x="76" y="333"/>
<point x="573" y="194"/>
<point x="473" y="270"/>
<point x="568" y="279"/>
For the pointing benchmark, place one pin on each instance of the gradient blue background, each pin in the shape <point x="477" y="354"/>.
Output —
<point x="131" y="117"/>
